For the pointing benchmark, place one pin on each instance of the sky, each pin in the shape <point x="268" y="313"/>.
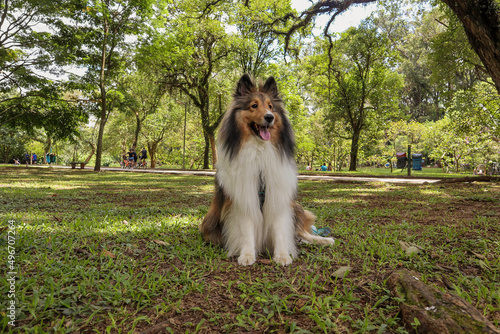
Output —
<point x="352" y="17"/>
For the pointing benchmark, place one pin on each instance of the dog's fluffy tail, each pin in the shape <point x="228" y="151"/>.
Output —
<point x="304" y="220"/>
<point x="211" y="227"/>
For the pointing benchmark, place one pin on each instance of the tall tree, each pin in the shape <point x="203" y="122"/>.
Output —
<point x="142" y="96"/>
<point x="258" y="46"/>
<point x="18" y="58"/>
<point x="28" y="99"/>
<point x="476" y="110"/>
<point x="190" y="56"/>
<point x="361" y="88"/>
<point x="411" y="38"/>
<point x="95" y="35"/>
<point x="158" y="124"/>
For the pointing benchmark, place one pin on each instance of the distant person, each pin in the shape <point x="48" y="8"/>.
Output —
<point x="144" y="155"/>
<point x="51" y="158"/>
<point x="135" y="157"/>
<point x="16" y="162"/>
<point x="34" y="158"/>
<point x="27" y="157"/>
<point x="308" y="167"/>
<point x="132" y="157"/>
<point x="323" y="167"/>
<point x="329" y="168"/>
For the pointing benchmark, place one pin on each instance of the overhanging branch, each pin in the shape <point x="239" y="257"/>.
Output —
<point x="330" y="7"/>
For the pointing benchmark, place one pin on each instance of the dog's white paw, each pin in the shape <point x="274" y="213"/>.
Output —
<point x="246" y="259"/>
<point x="283" y="259"/>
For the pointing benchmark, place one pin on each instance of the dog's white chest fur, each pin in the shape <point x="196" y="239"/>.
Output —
<point x="241" y="176"/>
<point x="247" y="228"/>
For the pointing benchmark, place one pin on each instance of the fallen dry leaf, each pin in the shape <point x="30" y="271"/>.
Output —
<point x="108" y="254"/>
<point x="409" y="248"/>
<point x="160" y="242"/>
<point x="342" y="272"/>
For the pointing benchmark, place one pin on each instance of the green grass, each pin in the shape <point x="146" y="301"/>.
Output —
<point x="429" y="172"/>
<point x="121" y="252"/>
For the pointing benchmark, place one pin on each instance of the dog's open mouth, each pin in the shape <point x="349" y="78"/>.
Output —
<point x="261" y="131"/>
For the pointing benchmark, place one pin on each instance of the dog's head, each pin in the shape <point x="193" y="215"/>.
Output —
<point x="257" y="106"/>
<point x="256" y="111"/>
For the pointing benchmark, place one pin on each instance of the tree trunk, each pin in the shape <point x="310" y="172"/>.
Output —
<point x="102" y="123"/>
<point x="48" y="145"/>
<point x="102" y="86"/>
<point x="137" y="129"/>
<point x="211" y="137"/>
<point x="92" y="148"/>
<point x="206" y="151"/>
<point x="152" y="153"/>
<point x="354" y="149"/>
<point x="436" y="311"/>
<point x="481" y="22"/>
<point x="334" y="158"/>
<point x="209" y="131"/>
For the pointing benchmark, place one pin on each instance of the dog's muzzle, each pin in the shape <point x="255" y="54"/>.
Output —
<point x="262" y="130"/>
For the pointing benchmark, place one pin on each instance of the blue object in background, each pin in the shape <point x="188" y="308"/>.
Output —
<point x="323" y="232"/>
<point x="417" y="161"/>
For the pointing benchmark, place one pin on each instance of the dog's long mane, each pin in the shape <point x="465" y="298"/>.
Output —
<point x="230" y="135"/>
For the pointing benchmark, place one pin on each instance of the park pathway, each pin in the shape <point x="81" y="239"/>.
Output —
<point x="300" y="176"/>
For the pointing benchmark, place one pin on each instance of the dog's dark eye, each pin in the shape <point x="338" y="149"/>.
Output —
<point x="270" y="106"/>
<point x="254" y="105"/>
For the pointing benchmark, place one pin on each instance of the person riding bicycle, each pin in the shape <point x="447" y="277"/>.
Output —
<point x="132" y="157"/>
<point x="144" y="156"/>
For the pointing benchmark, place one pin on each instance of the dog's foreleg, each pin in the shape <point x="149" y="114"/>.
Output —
<point x="246" y="240"/>
<point x="282" y="236"/>
<point x="247" y="255"/>
<point x="239" y="232"/>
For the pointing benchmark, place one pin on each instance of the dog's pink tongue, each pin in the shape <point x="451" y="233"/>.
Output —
<point x="264" y="133"/>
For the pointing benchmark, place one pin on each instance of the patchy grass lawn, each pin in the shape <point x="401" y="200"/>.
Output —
<point x="120" y="252"/>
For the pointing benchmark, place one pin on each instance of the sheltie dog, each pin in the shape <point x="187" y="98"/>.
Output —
<point x="253" y="208"/>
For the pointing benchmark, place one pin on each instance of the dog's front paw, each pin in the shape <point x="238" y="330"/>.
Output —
<point x="246" y="259"/>
<point x="283" y="259"/>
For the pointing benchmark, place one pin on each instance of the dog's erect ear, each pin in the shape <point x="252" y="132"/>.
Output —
<point x="245" y="86"/>
<point x="270" y="87"/>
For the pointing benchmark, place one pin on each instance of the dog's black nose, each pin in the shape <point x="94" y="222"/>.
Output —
<point x="269" y="118"/>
